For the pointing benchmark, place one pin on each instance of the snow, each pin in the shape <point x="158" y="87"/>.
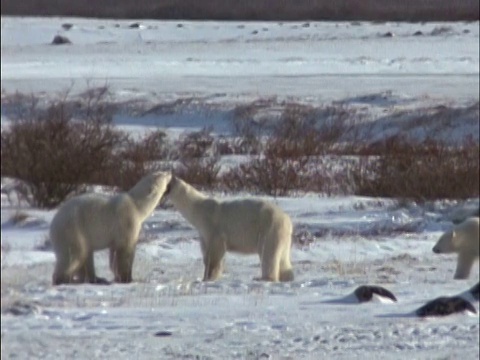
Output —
<point x="349" y="241"/>
<point x="207" y="57"/>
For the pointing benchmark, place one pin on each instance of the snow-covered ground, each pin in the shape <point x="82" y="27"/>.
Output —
<point x="322" y="61"/>
<point x="340" y="242"/>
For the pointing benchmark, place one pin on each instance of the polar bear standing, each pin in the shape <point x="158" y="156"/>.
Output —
<point x="245" y="226"/>
<point x="462" y="239"/>
<point x="91" y="222"/>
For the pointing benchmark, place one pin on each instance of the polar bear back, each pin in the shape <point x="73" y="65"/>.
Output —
<point x="469" y="232"/>
<point x="91" y="216"/>
<point x="243" y="223"/>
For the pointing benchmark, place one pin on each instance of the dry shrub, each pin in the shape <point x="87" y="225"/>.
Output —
<point x="293" y="157"/>
<point x="279" y="169"/>
<point x="230" y="146"/>
<point x="249" y="126"/>
<point x="55" y="154"/>
<point x="276" y="173"/>
<point x="298" y="132"/>
<point x="198" y="159"/>
<point x="134" y="159"/>
<point x="419" y="171"/>
<point x="380" y="10"/>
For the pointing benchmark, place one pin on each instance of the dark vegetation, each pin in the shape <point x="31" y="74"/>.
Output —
<point x="371" y="10"/>
<point x="58" y="149"/>
<point x="56" y="154"/>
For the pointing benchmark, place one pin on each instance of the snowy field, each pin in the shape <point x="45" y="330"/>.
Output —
<point x="341" y="242"/>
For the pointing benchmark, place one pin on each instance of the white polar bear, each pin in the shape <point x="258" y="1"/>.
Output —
<point x="91" y="222"/>
<point x="462" y="239"/>
<point x="245" y="226"/>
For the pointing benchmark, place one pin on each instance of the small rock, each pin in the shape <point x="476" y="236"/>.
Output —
<point x="60" y="40"/>
<point x="418" y="33"/>
<point x="440" y="30"/>
<point x="134" y="26"/>
<point x="388" y="34"/>
<point x="67" y="26"/>
<point x="163" y="334"/>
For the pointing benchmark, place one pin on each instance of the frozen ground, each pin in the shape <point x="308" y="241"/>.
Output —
<point x="341" y="242"/>
<point x="315" y="60"/>
<point x="351" y="241"/>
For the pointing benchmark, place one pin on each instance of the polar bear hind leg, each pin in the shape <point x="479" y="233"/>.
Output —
<point x="70" y="260"/>
<point x="121" y="263"/>
<point x="270" y="252"/>
<point x="275" y="253"/>
<point x="464" y="265"/>
<point x="286" y="270"/>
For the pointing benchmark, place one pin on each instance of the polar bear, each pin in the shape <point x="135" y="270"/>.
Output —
<point x="462" y="239"/>
<point x="246" y="226"/>
<point x="91" y="222"/>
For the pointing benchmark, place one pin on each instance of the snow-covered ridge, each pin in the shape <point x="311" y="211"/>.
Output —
<point x="325" y="59"/>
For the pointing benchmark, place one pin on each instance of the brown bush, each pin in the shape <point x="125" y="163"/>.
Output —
<point x="419" y="171"/>
<point x="134" y="159"/>
<point x="198" y="159"/>
<point x="234" y="146"/>
<point x="293" y="157"/>
<point x="248" y="126"/>
<point x="275" y="173"/>
<point x="54" y="154"/>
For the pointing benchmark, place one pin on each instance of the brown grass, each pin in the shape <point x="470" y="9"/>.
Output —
<point x="372" y="10"/>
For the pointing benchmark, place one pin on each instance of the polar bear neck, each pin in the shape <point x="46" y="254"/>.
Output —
<point x="185" y="198"/>
<point x="145" y="202"/>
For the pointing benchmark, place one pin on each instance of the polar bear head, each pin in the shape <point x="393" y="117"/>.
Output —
<point x="463" y="237"/>
<point x="153" y="184"/>
<point x="149" y="190"/>
<point x="448" y="243"/>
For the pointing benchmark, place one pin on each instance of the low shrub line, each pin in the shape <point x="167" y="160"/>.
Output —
<point x="56" y="152"/>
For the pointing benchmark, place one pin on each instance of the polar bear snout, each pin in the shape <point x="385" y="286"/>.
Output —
<point x="436" y="250"/>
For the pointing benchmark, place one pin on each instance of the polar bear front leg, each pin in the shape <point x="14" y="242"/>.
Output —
<point x="61" y="274"/>
<point x="464" y="265"/>
<point x="121" y="263"/>
<point x="213" y="253"/>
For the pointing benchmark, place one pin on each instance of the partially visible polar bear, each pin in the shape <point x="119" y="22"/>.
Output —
<point x="462" y="239"/>
<point x="91" y="222"/>
<point x="245" y="226"/>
